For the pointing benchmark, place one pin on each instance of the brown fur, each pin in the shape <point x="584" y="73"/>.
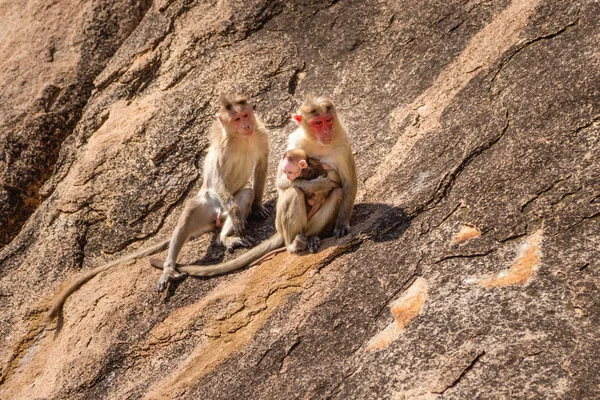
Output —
<point x="230" y="161"/>
<point x="291" y="220"/>
<point x="313" y="170"/>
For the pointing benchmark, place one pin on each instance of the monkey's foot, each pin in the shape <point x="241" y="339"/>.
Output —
<point x="299" y="244"/>
<point x="169" y="275"/>
<point x="340" y="231"/>
<point x="260" y="212"/>
<point x="232" y="242"/>
<point x="313" y="244"/>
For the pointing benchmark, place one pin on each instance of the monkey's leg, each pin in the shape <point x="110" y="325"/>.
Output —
<point x="321" y="224"/>
<point x="313" y="210"/>
<point x="197" y="218"/>
<point x="315" y="202"/>
<point x="291" y="219"/>
<point x="243" y="199"/>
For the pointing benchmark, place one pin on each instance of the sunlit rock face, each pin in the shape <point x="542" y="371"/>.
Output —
<point x="471" y="268"/>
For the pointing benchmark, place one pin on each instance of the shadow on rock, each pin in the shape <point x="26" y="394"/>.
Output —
<point x="382" y="222"/>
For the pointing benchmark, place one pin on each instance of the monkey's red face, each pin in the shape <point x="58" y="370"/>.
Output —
<point x="243" y="123"/>
<point x="322" y="128"/>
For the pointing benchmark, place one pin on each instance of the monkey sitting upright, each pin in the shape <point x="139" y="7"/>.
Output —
<point x="239" y="149"/>
<point x="322" y="135"/>
<point x="296" y="163"/>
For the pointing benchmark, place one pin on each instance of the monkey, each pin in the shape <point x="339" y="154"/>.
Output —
<point x="322" y="135"/>
<point x="239" y="145"/>
<point x="297" y="164"/>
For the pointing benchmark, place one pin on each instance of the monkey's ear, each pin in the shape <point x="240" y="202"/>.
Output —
<point x="219" y="117"/>
<point x="302" y="164"/>
<point x="297" y="118"/>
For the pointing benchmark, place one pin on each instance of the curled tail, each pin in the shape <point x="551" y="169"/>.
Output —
<point x="246" y="259"/>
<point x="64" y="294"/>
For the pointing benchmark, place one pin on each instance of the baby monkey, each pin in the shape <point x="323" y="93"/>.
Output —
<point x="296" y="163"/>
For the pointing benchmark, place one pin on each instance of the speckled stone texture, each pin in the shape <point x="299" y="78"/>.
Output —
<point x="471" y="269"/>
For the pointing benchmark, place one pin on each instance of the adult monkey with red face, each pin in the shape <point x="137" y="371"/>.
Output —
<point x="322" y="135"/>
<point x="239" y="146"/>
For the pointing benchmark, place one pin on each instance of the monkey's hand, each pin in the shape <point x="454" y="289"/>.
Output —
<point x="321" y="183"/>
<point x="341" y="229"/>
<point x="237" y="219"/>
<point x="259" y="211"/>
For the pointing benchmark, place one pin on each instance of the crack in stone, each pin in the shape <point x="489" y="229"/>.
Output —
<point x="411" y="279"/>
<point x="284" y="360"/>
<point x="295" y="79"/>
<point x="335" y="390"/>
<point x="543" y="191"/>
<point x="463" y="373"/>
<point x="585" y="126"/>
<point x="526" y="44"/>
<point x="473" y="255"/>
<point x="449" y="179"/>
<point x="593" y="216"/>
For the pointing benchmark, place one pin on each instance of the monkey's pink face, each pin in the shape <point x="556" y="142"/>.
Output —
<point x="322" y="128"/>
<point x="292" y="170"/>
<point x="243" y="123"/>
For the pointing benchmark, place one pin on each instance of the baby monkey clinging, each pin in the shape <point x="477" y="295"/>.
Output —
<point x="296" y="163"/>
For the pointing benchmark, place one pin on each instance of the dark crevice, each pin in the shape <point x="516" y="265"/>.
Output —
<point x="335" y="391"/>
<point x="295" y="79"/>
<point x="593" y="216"/>
<point x="450" y="214"/>
<point x="584" y="266"/>
<point x="463" y="373"/>
<point x="589" y="124"/>
<point x="507" y="59"/>
<point x="265" y="14"/>
<point x="289" y="351"/>
<point x="472" y="255"/>
<point x="55" y="117"/>
<point x="449" y="179"/>
<point x="543" y="191"/>
<point x="407" y="283"/>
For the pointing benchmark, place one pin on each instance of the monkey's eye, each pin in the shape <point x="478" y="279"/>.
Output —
<point x="237" y="119"/>
<point x="318" y="122"/>
<point x="329" y="120"/>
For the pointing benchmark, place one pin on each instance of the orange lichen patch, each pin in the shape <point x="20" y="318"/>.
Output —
<point x="466" y="233"/>
<point x="523" y="268"/>
<point x="404" y="309"/>
<point x="236" y="310"/>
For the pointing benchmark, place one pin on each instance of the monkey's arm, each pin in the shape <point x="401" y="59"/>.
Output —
<point x="260" y="178"/>
<point x="234" y="211"/>
<point x="321" y="183"/>
<point x="334" y="177"/>
<point x="342" y="223"/>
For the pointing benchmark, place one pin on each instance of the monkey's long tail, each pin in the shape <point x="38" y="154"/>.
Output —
<point x="246" y="259"/>
<point x="64" y="294"/>
<point x="268" y="255"/>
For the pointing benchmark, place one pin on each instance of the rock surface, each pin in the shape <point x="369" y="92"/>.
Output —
<point x="471" y="270"/>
